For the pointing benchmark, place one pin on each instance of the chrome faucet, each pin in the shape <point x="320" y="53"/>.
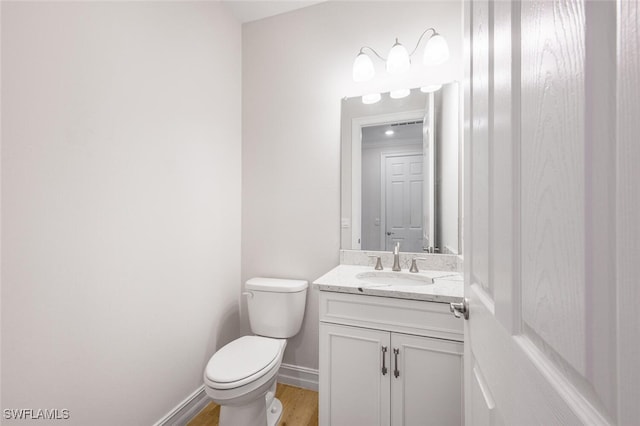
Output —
<point x="396" y="258"/>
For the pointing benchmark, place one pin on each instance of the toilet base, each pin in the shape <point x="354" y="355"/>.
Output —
<point x="251" y="414"/>
<point x="256" y="413"/>
<point x="274" y="413"/>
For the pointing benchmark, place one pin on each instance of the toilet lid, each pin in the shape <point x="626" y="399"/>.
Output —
<point x="242" y="358"/>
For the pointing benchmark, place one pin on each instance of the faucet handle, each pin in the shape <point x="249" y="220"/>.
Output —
<point x="414" y="265"/>
<point x="378" y="266"/>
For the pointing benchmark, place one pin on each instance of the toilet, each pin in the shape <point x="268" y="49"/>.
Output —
<point x="241" y="376"/>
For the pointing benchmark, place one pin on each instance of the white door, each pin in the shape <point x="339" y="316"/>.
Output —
<point x="552" y="208"/>
<point x="426" y="381"/>
<point x="353" y="389"/>
<point x="403" y="201"/>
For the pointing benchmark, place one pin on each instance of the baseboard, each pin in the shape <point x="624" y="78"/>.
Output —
<point x="301" y="377"/>
<point x="186" y="410"/>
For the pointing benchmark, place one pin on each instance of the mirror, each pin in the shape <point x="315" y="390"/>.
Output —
<point x="401" y="173"/>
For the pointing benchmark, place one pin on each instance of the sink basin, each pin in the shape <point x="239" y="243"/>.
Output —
<point x="394" y="278"/>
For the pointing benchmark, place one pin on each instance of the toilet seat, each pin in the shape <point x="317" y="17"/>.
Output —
<point x="243" y="361"/>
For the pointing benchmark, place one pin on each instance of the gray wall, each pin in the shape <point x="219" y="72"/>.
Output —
<point x="120" y="204"/>
<point x="296" y="69"/>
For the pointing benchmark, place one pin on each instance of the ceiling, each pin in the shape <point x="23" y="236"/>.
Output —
<point x="252" y="10"/>
<point x="403" y="133"/>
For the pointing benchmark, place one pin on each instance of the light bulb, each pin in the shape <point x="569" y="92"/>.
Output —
<point x="371" y="98"/>
<point x="436" y="51"/>
<point x="398" y="60"/>
<point x="430" y="88"/>
<point x="389" y="132"/>
<point x="399" y="94"/>
<point x="363" y="68"/>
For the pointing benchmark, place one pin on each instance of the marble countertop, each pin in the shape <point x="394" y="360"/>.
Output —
<point x="447" y="286"/>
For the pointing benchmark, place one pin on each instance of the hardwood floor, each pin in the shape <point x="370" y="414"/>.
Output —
<point x="300" y="408"/>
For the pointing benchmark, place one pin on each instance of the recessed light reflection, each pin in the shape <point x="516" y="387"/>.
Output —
<point x="399" y="94"/>
<point x="431" y="88"/>
<point x="371" y="98"/>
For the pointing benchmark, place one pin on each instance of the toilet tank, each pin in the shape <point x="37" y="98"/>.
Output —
<point x="276" y="306"/>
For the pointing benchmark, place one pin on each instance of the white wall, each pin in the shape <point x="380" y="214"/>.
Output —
<point x="296" y="69"/>
<point x="448" y="126"/>
<point x="120" y="204"/>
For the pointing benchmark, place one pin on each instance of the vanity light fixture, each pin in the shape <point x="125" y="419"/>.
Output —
<point x="399" y="60"/>
<point x="363" y="68"/>
<point x="436" y="52"/>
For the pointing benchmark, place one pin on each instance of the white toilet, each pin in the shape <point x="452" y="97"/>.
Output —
<point x="241" y="376"/>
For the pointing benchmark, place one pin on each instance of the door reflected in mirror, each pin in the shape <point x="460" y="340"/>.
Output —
<point x="400" y="172"/>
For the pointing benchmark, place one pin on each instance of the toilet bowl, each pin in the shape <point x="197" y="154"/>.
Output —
<point x="241" y="376"/>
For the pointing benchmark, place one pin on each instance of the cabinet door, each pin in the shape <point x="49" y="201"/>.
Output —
<point x="353" y="388"/>
<point x="429" y="384"/>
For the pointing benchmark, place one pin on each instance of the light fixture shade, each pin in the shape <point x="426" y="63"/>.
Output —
<point x="398" y="60"/>
<point x="430" y="88"/>
<point x="371" y="98"/>
<point x="399" y="94"/>
<point x="363" y="68"/>
<point x="436" y="51"/>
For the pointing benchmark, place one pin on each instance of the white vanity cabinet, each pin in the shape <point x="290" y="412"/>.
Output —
<point x="387" y="361"/>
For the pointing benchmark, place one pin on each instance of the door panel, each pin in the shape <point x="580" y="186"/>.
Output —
<point x="479" y="169"/>
<point x="483" y="407"/>
<point x="553" y="185"/>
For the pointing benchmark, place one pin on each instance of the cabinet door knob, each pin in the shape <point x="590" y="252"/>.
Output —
<point x="396" y="372"/>
<point x="384" y="360"/>
<point x="460" y="309"/>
